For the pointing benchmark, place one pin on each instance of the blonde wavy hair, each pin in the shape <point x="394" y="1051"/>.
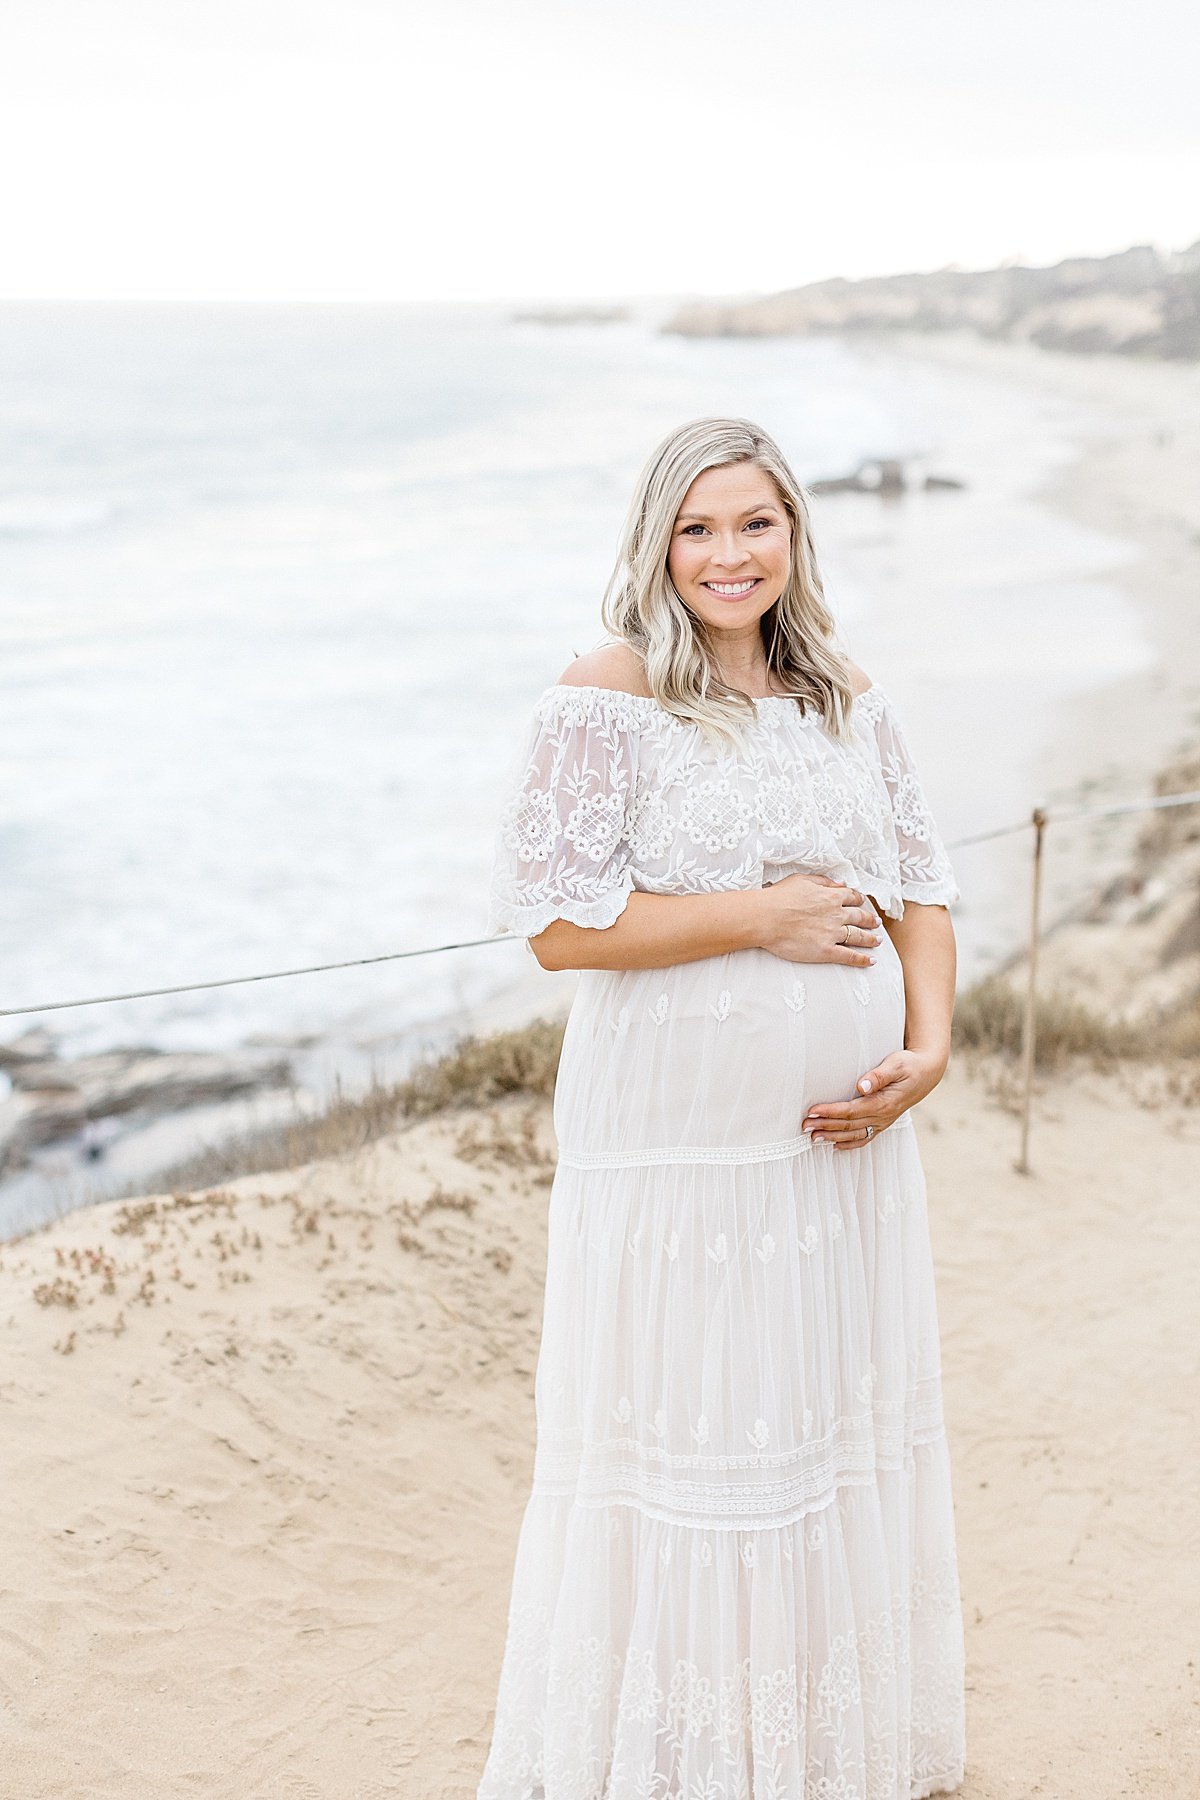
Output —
<point x="642" y="608"/>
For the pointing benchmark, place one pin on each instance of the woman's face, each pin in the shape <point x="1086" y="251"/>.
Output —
<point x="731" y="546"/>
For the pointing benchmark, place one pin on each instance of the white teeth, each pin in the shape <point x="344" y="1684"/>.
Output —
<point x="729" y="587"/>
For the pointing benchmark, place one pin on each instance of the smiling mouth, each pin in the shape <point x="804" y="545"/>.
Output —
<point x="732" y="590"/>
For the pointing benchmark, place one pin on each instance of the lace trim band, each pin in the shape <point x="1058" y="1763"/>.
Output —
<point x="712" y="1154"/>
<point x="597" y="1480"/>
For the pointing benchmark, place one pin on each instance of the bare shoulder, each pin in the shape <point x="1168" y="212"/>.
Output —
<point x="616" y="666"/>
<point x="859" y="680"/>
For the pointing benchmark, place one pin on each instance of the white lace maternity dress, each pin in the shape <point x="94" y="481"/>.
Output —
<point x="736" y="1575"/>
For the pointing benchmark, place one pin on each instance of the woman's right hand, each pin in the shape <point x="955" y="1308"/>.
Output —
<point x="810" y="918"/>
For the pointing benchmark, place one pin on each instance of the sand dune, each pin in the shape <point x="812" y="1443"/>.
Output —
<point x="268" y="1447"/>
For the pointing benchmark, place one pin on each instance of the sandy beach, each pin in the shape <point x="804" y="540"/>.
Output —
<point x="270" y="1443"/>
<point x="1135" y="474"/>
<point x="269" y="1448"/>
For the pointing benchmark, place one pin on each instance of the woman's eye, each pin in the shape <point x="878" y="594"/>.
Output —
<point x="689" y="529"/>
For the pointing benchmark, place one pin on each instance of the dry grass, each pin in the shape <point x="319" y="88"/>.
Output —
<point x="474" y="1072"/>
<point x="989" y="1017"/>
<point x="1165" y="832"/>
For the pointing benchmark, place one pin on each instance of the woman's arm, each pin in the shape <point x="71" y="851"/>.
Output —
<point x="925" y="943"/>
<point x="802" y="918"/>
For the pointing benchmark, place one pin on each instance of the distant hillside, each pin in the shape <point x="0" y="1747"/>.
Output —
<point x="1139" y="303"/>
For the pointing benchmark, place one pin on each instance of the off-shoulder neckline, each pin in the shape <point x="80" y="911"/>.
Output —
<point x="589" y="687"/>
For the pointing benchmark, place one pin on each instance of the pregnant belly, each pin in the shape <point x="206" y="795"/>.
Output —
<point x="719" y="1055"/>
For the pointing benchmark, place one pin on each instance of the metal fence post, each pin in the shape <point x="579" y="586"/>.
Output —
<point x="1028" y="1033"/>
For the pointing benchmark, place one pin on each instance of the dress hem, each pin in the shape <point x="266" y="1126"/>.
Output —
<point x="937" y="1784"/>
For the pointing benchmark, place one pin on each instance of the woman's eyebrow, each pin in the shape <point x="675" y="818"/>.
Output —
<point x="706" y="518"/>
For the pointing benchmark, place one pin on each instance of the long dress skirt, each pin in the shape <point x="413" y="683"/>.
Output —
<point x="736" y="1576"/>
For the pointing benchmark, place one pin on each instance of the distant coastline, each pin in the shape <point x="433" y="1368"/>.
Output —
<point x="1135" y="303"/>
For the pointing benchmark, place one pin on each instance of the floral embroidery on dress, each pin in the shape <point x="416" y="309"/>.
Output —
<point x="788" y="1729"/>
<point x="593" y="822"/>
<point x="529" y="827"/>
<point x="611" y="793"/>
<point x="775" y="1713"/>
<point x="780" y="808"/>
<point x="691" y="1703"/>
<point x="651" y="829"/>
<point x="715" y="814"/>
<point x="834" y="807"/>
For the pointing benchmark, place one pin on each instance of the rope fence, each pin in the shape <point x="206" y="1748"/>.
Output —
<point x="1038" y="821"/>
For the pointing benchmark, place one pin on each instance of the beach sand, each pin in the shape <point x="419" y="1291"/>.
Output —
<point x="268" y="1450"/>
<point x="269" y="1446"/>
<point x="1135" y="473"/>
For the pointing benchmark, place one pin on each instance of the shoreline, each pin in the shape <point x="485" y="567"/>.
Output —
<point x="1135" y="476"/>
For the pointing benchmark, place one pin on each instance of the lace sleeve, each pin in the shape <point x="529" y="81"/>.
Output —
<point x="925" y="871"/>
<point x="561" y="851"/>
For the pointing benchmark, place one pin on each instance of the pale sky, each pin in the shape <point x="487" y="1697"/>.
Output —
<point x="506" y="149"/>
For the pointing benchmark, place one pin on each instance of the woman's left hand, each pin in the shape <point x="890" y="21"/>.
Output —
<point x="885" y="1092"/>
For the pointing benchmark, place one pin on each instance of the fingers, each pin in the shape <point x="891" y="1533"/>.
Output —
<point x="863" y="918"/>
<point x="842" y="1122"/>
<point x="860" y="915"/>
<point x="884" y="1074"/>
<point x="858" y="1140"/>
<point x="857" y="948"/>
<point x="848" y="1134"/>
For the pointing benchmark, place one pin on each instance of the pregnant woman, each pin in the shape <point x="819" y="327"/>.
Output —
<point x="736" y="1575"/>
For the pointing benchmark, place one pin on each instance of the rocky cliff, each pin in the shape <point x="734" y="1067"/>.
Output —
<point x="1138" y="302"/>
